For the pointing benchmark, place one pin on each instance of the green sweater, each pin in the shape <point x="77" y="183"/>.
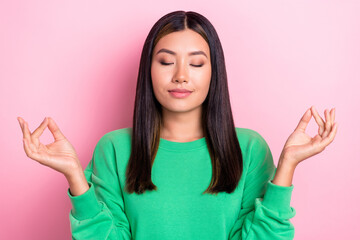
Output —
<point x="257" y="209"/>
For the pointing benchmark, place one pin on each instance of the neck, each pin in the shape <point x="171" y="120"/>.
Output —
<point x="181" y="126"/>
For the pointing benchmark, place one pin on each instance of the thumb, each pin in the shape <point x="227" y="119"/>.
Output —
<point x="55" y="130"/>
<point x="304" y="121"/>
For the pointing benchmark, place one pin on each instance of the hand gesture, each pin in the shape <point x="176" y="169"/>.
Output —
<point x="59" y="155"/>
<point x="300" y="146"/>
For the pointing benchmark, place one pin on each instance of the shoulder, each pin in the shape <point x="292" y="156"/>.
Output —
<point x="118" y="137"/>
<point x="253" y="145"/>
<point x="248" y="136"/>
<point x="257" y="153"/>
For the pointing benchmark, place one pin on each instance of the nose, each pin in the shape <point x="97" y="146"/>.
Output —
<point x="181" y="74"/>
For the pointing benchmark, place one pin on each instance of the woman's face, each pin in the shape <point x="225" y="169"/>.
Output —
<point x="181" y="60"/>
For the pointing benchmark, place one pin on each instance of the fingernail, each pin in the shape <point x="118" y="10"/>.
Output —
<point x="44" y="119"/>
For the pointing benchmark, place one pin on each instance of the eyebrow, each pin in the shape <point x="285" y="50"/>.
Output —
<point x="173" y="53"/>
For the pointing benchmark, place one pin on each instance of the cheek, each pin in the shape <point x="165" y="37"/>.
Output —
<point x="158" y="83"/>
<point x="155" y="76"/>
<point x="202" y="79"/>
<point x="153" y="71"/>
<point x="205" y="84"/>
<point x="158" y="74"/>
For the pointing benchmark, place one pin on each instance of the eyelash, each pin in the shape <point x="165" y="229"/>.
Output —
<point x="164" y="63"/>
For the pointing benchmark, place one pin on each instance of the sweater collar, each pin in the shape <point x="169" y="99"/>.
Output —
<point x="182" y="146"/>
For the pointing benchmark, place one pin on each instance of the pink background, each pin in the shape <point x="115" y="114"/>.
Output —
<point x="77" y="62"/>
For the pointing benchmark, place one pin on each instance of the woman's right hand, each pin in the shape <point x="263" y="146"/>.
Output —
<point x="59" y="155"/>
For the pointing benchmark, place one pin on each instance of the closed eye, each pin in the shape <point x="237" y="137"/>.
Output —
<point x="196" y="65"/>
<point x="164" y="63"/>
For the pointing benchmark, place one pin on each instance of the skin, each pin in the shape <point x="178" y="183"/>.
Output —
<point x="181" y="116"/>
<point x="59" y="155"/>
<point x="300" y="146"/>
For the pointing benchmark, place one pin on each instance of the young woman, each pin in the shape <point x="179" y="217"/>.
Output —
<point x="183" y="170"/>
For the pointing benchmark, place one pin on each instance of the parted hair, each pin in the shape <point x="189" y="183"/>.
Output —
<point x="217" y="120"/>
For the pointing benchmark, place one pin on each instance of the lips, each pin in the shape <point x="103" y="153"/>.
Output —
<point x="179" y="94"/>
<point x="180" y="90"/>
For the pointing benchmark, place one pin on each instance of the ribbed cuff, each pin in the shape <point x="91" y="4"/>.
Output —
<point x="278" y="197"/>
<point x="85" y="205"/>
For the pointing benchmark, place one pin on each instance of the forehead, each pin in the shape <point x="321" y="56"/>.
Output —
<point x="182" y="42"/>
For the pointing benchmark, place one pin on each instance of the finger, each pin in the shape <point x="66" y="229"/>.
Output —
<point x="37" y="133"/>
<point x="332" y="113"/>
<point x="26" y="131"/>
<point x="21" y="124"/>
<point x="29" y="151"/>
<point x="327" y="140"/>
<point x="318" y="120"/>
<point x="31" y="145"/>
<point x="18" y="118"/>
<point x="327" y="124"/>
<point x="304" y="121"/>
<point x="55" y="130"/>
<point x="26" y="148"/>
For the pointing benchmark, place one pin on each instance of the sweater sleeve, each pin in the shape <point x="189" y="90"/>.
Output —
<point x="265" y="209"/>
<point x="99" y="212"/>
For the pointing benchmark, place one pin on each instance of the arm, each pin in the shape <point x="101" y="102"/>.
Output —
<point x="265" y="209"/>
<point x="99" y="212"/>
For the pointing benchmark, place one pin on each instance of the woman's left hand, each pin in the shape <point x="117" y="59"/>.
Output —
<point x="300" y="146"/>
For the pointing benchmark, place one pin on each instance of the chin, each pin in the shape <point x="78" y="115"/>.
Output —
<point x="177" y="109"/>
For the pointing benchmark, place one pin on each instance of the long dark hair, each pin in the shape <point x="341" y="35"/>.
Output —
<point x="217" y="120"/>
